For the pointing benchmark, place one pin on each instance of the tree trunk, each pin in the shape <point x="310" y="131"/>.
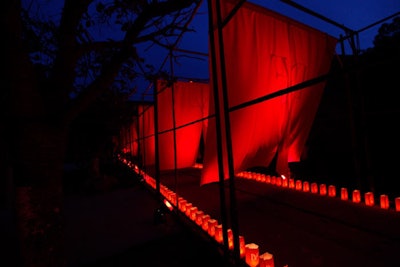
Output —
<point x="39" y="195"/>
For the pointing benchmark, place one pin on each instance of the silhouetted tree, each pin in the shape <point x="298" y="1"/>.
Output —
<point x="56" y="67"/>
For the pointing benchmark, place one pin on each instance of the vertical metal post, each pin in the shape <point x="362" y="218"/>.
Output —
<point x="173" y="119"/>
<point x="227" y="134"/>
<point x="351" y="100"/>
<point x="156" y="147"/>
<point x="218" y="126"/>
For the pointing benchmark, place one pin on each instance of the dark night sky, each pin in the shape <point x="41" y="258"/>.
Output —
<point x="354" y="14"/>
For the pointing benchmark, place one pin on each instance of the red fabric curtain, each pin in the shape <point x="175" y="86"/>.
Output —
<point x="180" y="110"/>
<point x="181" y="106"/>
<point x="134" y="138"/>
<point x="146" y="134"/>
<point x="264" y="53"/>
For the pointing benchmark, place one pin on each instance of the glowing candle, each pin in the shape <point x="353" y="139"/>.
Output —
<point x="205" y="218"/>
<point x="278" y="181"/>
<point x="211" y="226"/>
<point x="187" y="208"/>
<point x="299" y="184"/>
<point x="252" y="254"/>
<point x="314" y="188"/>
<point x="369" y="199"/>
<point x="344" y="195"/>
<point x="266" y="260"/>
<point x="322" y="189"/>
<point x="199" y="217"/>
<point x="291" y="183"/>
<point x="273" y="180"/>
<point x="268" y="179"/>
<point x="192" y="213"/>
<point x="306" y="186"/>
<point x="182" y="204"/>
<point x="397" y="203"/>
<point x="263" y="178"/>
<point x="356" y="196"/>
<point x="172" y="198"/>
<point x="230" y="239"/>
<point x="242" y="246"/>
<point x="384" y="201"/>
<point x="332" y="191"/>
<point x="285" y="182"/>
<point x="218" y="233"/>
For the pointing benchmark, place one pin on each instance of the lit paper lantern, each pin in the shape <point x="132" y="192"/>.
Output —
<point x="356" y="196"/>
<point x="266" y="260"/>
<point x="172" y="198"/>
<point x="252" y="254"/>
<point x="211" y="226"/>
<point x="332" y="191"/>
<point x="199" y="217"/>
<point x="230" y="239"/>
<point x="384" y="201"/>
<point x="218" y="233"/>
<point x="397" y="203"/>
<point x="278" y="181"/>
<point x="299" y="185"/>
<point x="314" y="188"/>
<point x="285" y="182"/>
<point x="322" y="189"/>
<point x="291" y="183"/>
<point x="268" y="179"/>
<point x="306" y="186"/>
<point x="273" y="180"/>
<point x="242" y="246"/>
<point x="192" y="213"/>
<point x="187" y="208"/>
<point x="344" y="195"/>
<point x="204" y="219"/>
<point x="182" y="204"/>
<point x="369" y="199"/>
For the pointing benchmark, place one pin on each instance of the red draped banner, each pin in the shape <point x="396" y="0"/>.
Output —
<point x="181" y="109"/>
<point x="266" y="52"/>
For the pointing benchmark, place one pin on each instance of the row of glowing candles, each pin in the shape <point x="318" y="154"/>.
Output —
<point x="321" y="189"/>
<point x="248" y="252"/>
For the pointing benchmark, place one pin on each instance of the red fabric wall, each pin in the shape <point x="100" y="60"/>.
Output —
<point x="178" y="106"/>
<point x="146" y="134"/>
<point x="264" y="53"/>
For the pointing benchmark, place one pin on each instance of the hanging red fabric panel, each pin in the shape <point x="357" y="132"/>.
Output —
<point x="134" y="138"/>
<point x="181" y="107"/>
<point x="266" y="52"/>
<point x="146" y="134"/>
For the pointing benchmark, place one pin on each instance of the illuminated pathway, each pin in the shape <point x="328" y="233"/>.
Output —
<point x="295" y="224"/>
